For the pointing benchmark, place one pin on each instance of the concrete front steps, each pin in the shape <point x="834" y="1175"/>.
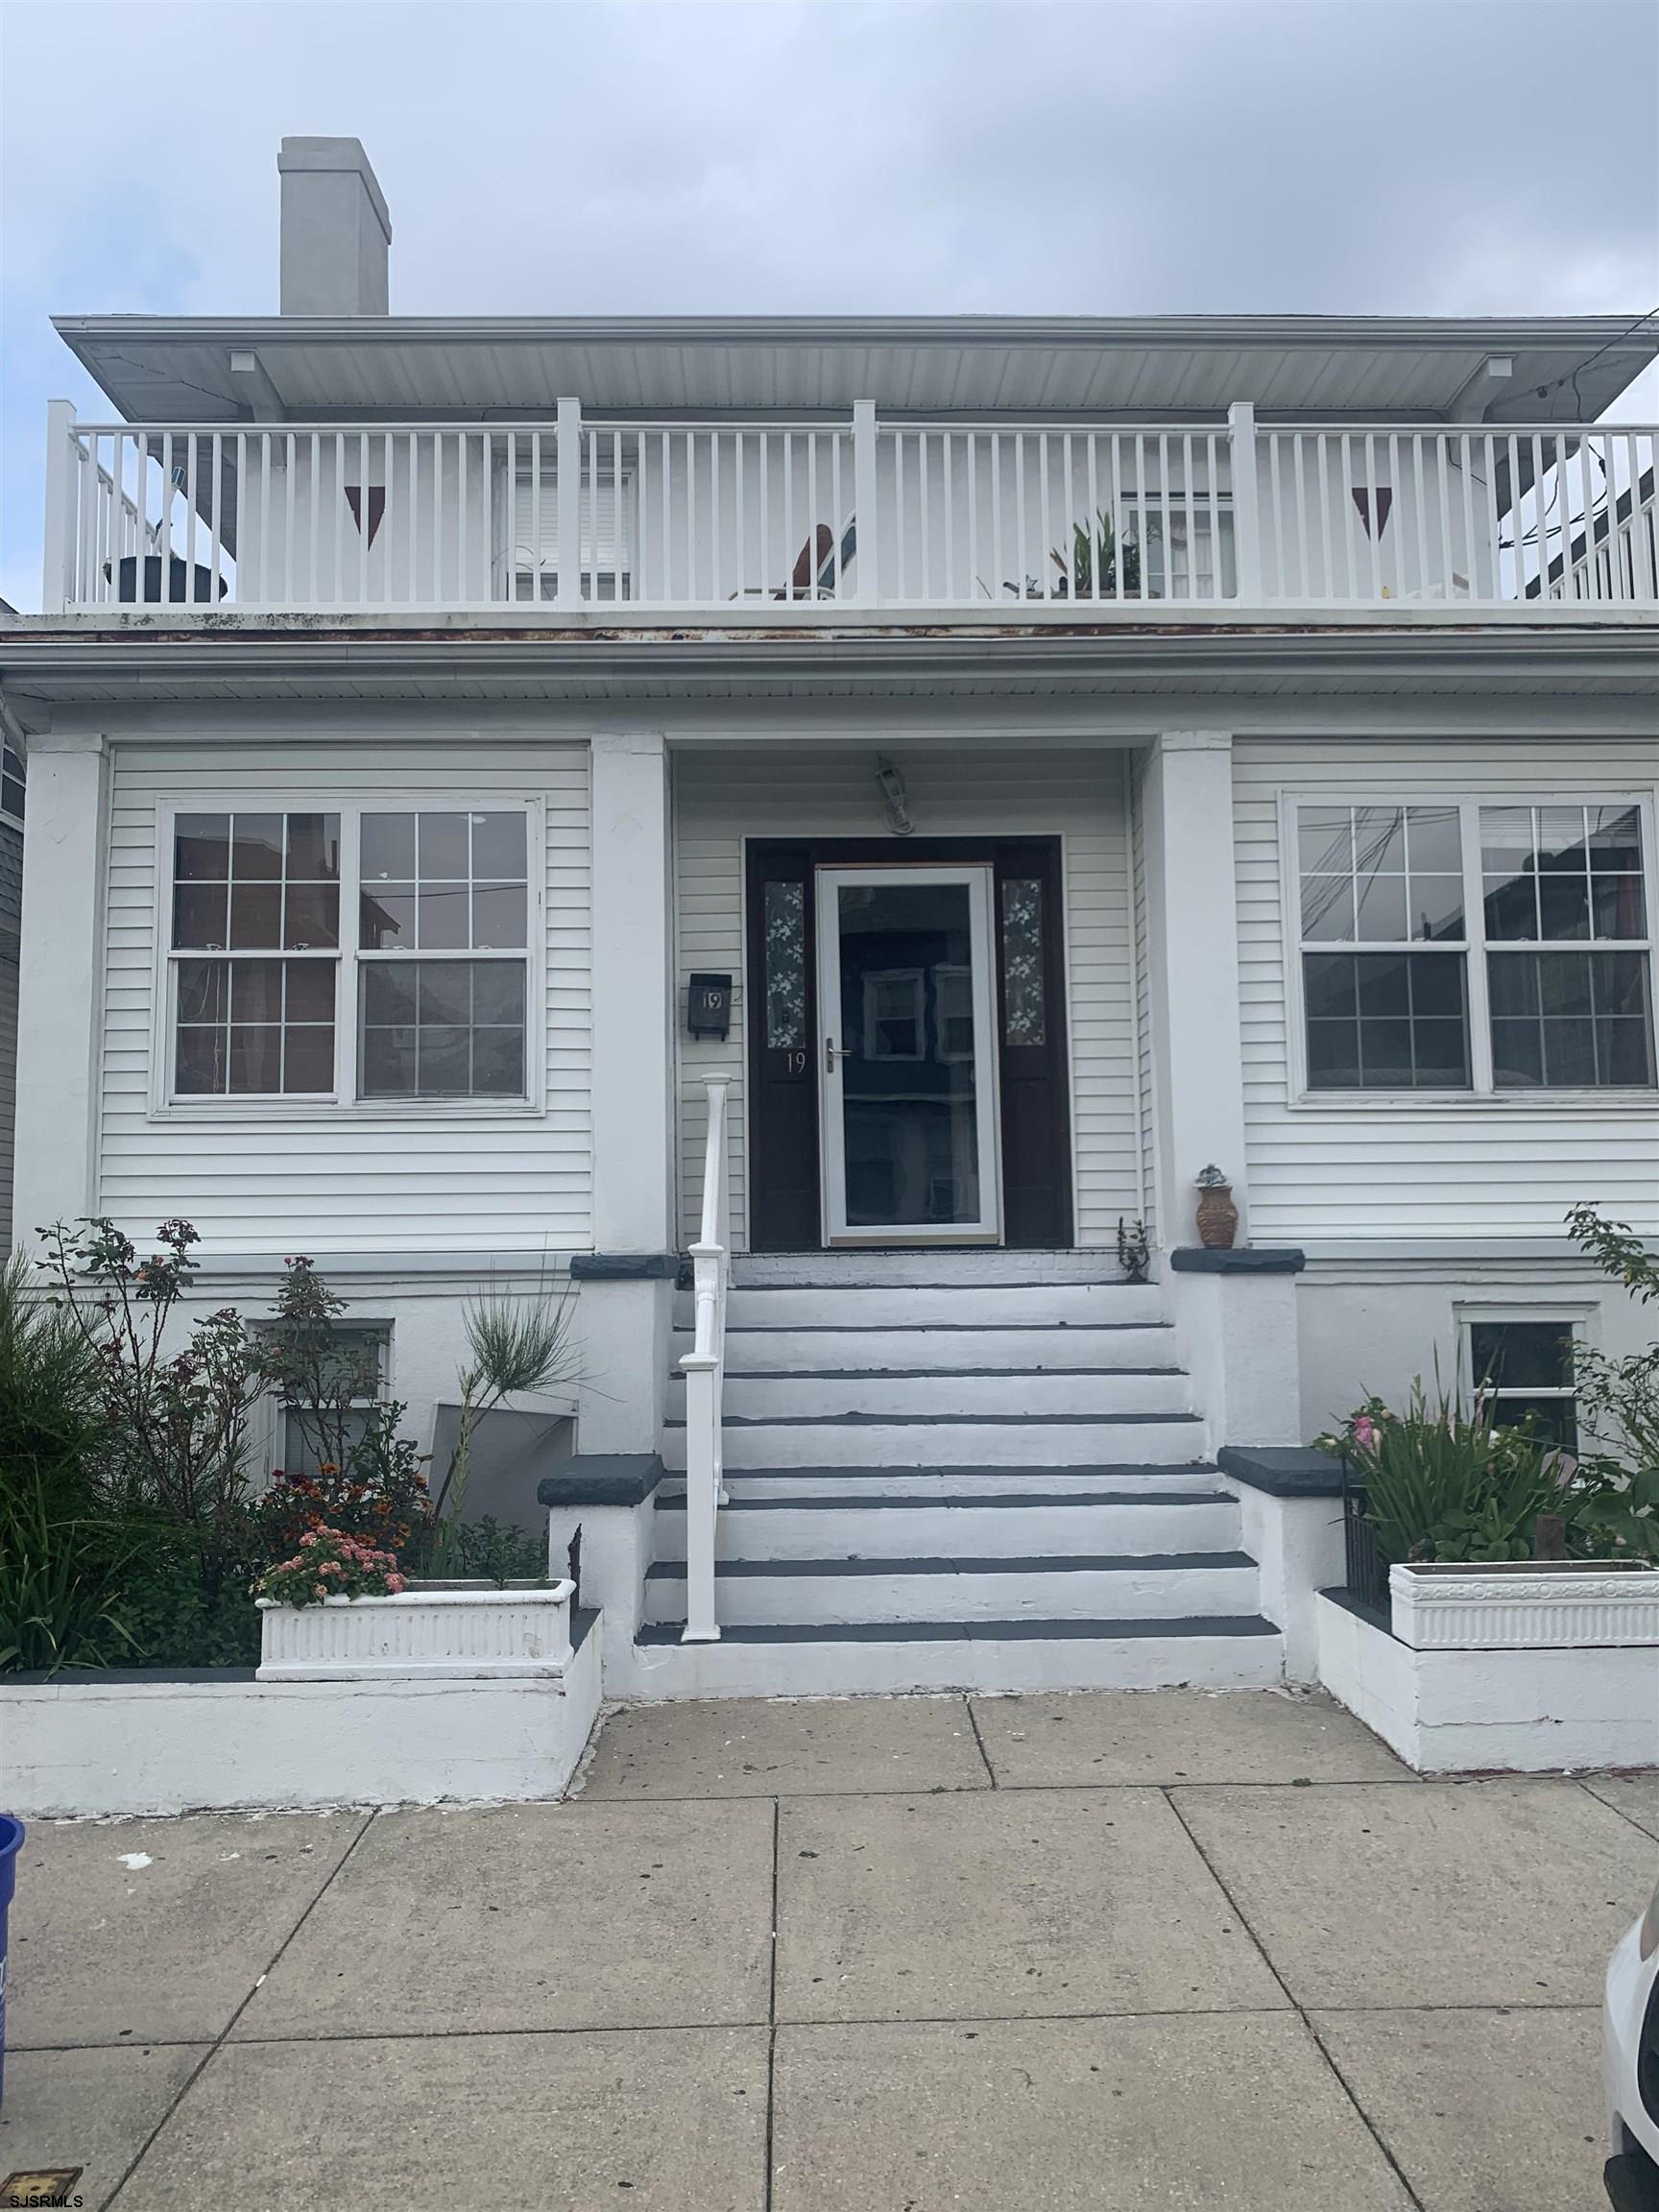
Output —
<point x="955" y="1471"/>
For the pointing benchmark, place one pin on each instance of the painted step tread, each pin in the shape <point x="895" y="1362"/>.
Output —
<point x="1197" y="1625"/>
<point x="935" y="1327"/>
<point x="916" y="1374"/>
<point x="1059" y="1563"/>
<point x="972" y="1504"/>
<point x="1108" y="1470"/>
<point x="938" y="1421"/>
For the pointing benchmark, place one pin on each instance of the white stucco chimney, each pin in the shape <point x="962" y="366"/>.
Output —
<point x="336" y="233"/>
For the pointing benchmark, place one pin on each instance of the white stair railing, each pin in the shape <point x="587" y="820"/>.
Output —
<point x="704" y="1368"/>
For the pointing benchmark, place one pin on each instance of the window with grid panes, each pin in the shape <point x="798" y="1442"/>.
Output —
<point x="433" y="970"/>
<point x="443" y="944"/>
<point x="255" y="953"/>
<point x="1383" y="948"/>
<point x="1567" y="947"/>
<point x="1396" y="901"/>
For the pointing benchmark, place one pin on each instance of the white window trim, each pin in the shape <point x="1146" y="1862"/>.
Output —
<point x="343" y="1101"/>
<point x="1580" y="1318"/>
<point x="1481" y="1097"/>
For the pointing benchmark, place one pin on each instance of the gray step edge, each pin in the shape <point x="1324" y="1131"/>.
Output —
<point x="1196" y="1626"/>
<point x="1060" y="1563"/>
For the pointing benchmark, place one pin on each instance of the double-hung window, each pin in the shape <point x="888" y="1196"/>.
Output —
<point x="365" y="954"/>
<point x="1465" y="947"/>
<point x="1568" y="954"/>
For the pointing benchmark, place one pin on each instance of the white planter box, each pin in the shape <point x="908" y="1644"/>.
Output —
<point x="1493" y="1710"/>
<point x="432" y="1632"/>
<point x="1523" y="1607"/>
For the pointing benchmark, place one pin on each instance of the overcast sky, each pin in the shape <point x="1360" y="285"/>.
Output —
<point x="1086" y="157"/>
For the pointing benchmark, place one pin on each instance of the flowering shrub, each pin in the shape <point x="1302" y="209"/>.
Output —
<point x="327" y="1563"/>
<point x="377" y="1496"/>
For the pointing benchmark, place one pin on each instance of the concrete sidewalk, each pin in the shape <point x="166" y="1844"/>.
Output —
<point x="1100" y="1953"/>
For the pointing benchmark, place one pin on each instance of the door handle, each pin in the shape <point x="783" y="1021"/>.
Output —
<point x="831" y="1054"/>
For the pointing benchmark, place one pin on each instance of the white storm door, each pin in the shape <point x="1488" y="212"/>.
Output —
<point x="908" y="1046"/>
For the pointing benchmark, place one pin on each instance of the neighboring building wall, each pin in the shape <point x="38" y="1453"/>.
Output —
<point x="276" y="1178"/>
<point x="960" y="791"/>
<point x="1340" y="1169"/>
<point x="10" y="919"/>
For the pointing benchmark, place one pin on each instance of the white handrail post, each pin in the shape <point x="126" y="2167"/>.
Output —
<point x="702" y="1495"/>
<point x="1247" y="512"/>
<point x="569" y="493"/>
<point x="863" y="502"/>
<point x="704" y="1368"/>
<point x="61" y="506"/>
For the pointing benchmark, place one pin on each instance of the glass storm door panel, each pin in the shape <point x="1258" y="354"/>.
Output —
<point x="908" y="1046"/>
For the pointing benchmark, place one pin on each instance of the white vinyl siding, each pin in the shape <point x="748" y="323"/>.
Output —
<point x="284" y="1175"/>
<point x="719" y="800"/>
<point x="1329" y="1169"/>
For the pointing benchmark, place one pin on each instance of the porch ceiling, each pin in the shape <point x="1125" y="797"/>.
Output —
<point x="161" y="369"/>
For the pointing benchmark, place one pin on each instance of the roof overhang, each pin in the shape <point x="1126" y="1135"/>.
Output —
<point x="1550" y="676"/>
<point x="163" y="369"/>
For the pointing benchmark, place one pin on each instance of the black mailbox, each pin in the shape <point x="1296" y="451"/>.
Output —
<point x="708" y="1007"/>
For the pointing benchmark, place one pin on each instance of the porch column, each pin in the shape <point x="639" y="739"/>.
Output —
<point x="1197" y="1059"/>
<point x="59" y="993"/>
<point x="1235" y="1312"/>
<point x="628" y="1282"/>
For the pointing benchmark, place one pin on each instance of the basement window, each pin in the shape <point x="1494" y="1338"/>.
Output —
<point x="1525" y="1367"/>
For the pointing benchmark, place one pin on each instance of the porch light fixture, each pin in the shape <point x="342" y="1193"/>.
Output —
<point x="891" y="782"/>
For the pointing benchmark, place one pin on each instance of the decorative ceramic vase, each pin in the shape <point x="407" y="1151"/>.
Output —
<point x="1217" y="1218"/>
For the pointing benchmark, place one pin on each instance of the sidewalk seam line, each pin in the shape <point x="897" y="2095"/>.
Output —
<point x="974" y="1723"/>
<point x="197" y="2071"/>
<point x="772" y="2013"/>
<point x="1313" y="2032"/>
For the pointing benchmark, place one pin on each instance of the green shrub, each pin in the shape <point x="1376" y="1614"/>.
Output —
<point x="1442" y="1485"/>
<point x="51" y="1408"/>
<point x="496" y="1552"/>
<point x="60" y="1580"/>
<point x="165" y="1617"/>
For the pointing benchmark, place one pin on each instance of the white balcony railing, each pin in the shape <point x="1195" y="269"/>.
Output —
<point x="714" y="519"/>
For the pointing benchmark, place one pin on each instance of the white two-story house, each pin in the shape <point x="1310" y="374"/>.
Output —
<point x="882" y="806"/>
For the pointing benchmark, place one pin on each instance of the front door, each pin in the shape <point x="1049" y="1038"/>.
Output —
<point x="907" y="1051"/>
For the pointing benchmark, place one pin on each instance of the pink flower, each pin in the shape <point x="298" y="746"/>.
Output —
<point x="1365" y="1433"/>
<point x="395" y="1585"/>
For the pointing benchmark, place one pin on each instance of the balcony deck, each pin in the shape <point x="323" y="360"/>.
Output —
<point x="575" y="524"/>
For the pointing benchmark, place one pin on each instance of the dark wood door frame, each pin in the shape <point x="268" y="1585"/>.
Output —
<point x="1033" y="1078"/>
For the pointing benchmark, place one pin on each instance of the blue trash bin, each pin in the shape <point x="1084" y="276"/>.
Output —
<point x="10" y="1844"/>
